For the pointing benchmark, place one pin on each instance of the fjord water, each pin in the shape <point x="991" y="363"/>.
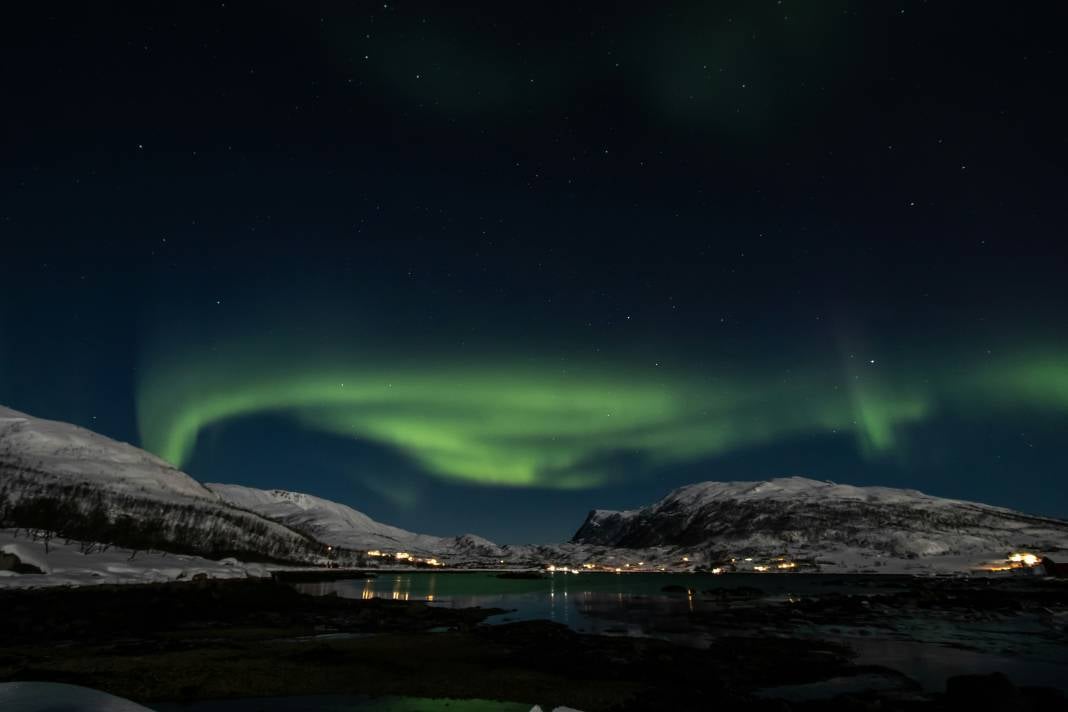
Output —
<point x="595" y="602"/>
<point x="660" y="605"/>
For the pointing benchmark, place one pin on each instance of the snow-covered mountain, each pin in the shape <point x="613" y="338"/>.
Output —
<point x="61" y="478"/>
<point x="81" y="485"/>
<point x="69" y="454"/>
<point x="55" y="475"/>
<point x="842" y="526"/>
<point x="340" y="525"/>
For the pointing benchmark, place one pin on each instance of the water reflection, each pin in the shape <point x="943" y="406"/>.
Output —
<point x="631" y="604"/>
<point x="669" y="606"/>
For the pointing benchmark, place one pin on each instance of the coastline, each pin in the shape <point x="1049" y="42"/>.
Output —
<point x="234" y="639"/>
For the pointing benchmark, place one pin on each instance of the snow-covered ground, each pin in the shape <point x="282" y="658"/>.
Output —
<point x="55" y="697"/>
<point x="65" y="565"/>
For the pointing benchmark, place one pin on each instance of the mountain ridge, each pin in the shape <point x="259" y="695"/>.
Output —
<point x="812" y="517"/>
<point x="340" y="525"/>
<point x="51" y="471"/>
<point x="65" y="480"/>
<point x="61" y="477"/>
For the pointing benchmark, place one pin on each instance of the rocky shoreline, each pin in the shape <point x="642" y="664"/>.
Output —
<point x="246" y="638"/>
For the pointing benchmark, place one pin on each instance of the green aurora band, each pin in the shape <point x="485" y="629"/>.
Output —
<point x="510" y="423"/>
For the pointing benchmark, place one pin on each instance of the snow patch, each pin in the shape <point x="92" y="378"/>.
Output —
<point x="65" y="565"/>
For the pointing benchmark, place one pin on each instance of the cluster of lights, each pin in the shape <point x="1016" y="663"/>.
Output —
<point x="610" y="568"/>
<point x="1013" y="562"/>
<point x="404" y="556"/>
<point x="553" y="568"/>
<point x="779" y="564"/>
<point x="1022" y="557"/>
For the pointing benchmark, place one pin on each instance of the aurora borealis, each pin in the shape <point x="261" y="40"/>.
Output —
<point x="507" y="424"/>
<point x="488" y="268"/>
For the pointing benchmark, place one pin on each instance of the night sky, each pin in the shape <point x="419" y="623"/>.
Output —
<point x="486" y="268"/>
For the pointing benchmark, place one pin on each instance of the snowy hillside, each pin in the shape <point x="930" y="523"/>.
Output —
<point x="842" y="526"/>
<point x="72" y="454"/>
<point x="62" y="480"/>
<point x="340" y="525"/>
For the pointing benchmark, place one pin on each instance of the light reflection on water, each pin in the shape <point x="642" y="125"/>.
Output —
<point x="590" y="602"/>
<point x="485" y="589"/>
<point x="635" y="605"/>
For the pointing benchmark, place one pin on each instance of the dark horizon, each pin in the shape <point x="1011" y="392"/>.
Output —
<point x="488" y="269"/>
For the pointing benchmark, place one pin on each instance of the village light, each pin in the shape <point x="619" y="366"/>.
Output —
<point x="1024" y="558"/>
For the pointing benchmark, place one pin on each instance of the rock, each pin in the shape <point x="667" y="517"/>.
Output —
<point x="993" y="691"/>
<point x="11" y="562"/>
